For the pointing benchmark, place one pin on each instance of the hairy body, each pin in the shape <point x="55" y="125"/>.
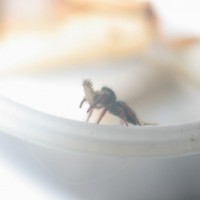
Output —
<point x="106" y="99"/>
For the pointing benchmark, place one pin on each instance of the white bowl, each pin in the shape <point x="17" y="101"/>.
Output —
<point x="110" y="162"/>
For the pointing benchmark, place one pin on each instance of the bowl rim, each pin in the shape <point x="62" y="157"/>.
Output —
<point x="51" y="131"/>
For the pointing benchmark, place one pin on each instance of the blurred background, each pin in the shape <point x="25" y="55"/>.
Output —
<point x="146" y="51"/>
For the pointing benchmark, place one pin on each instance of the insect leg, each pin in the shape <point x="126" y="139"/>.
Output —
<point x="130" y="115"/>
<point x="81" y="104"/>
<point x="89" y="115"/>
<point x="123" y="116"/>
<point x="102" y="114"/>
<point x="90" y="108"/>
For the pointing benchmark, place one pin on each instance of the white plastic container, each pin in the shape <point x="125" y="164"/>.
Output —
<point x="110" y="162"/>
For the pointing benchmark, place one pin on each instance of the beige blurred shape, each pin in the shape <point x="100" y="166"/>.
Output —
<point x="44" y="35"/>
<point x="39" y="35"/>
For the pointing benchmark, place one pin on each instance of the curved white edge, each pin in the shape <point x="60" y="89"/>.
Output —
<point x="64" y="134"/>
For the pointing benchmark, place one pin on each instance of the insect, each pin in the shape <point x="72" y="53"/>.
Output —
<point x="106" y="99"/>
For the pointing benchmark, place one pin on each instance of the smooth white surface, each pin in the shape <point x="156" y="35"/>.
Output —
<point x="94" y="176"/>
<point x="68" y="135"/>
